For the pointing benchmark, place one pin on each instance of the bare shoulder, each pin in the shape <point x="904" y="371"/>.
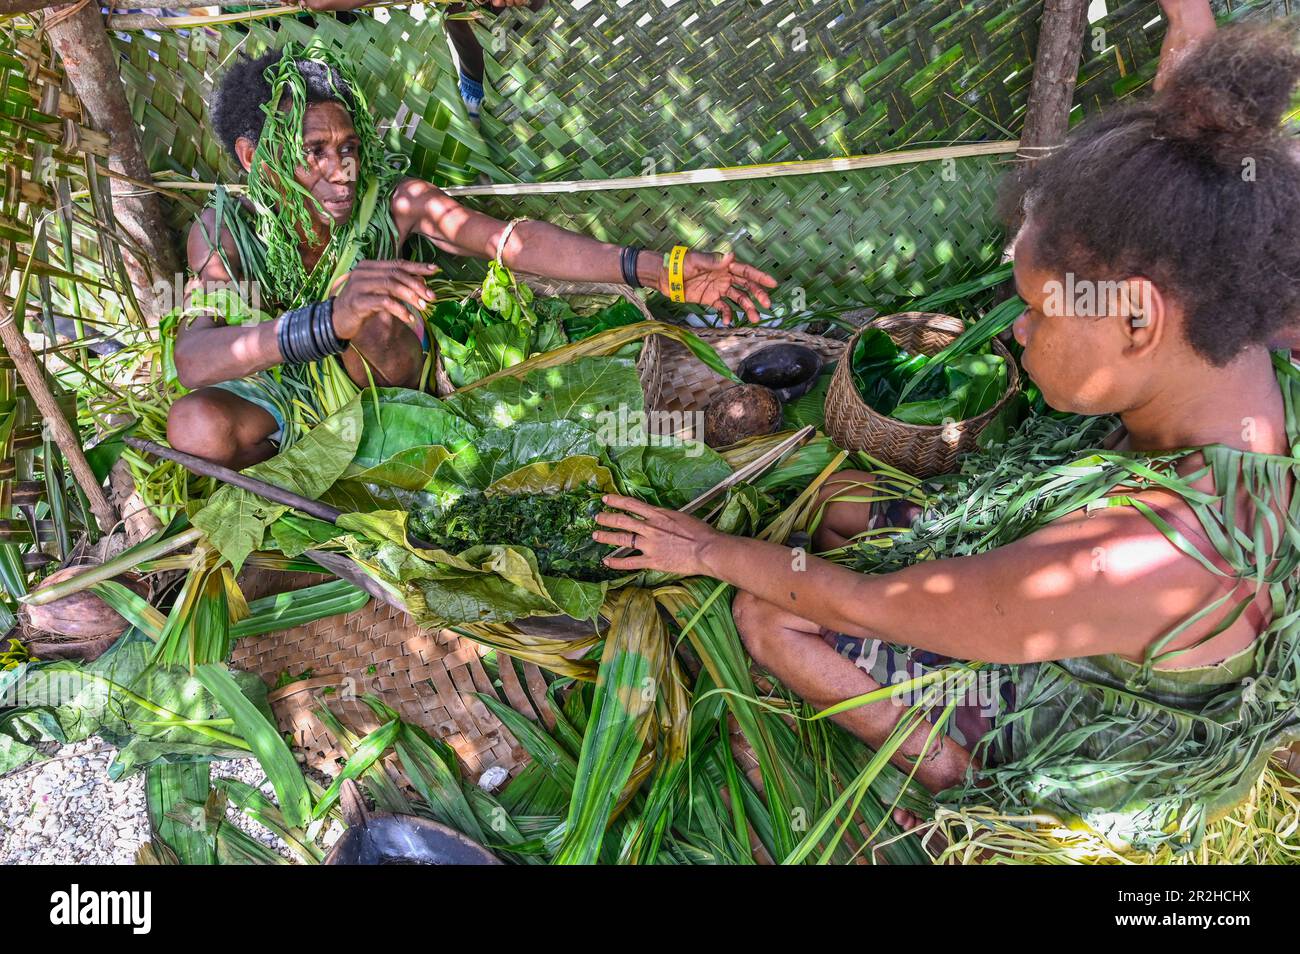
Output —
<point x="201" y="248"/>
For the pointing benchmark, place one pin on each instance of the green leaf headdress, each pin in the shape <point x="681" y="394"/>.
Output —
<point x="282" y="203"/>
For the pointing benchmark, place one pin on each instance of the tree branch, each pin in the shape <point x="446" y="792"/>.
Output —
<point x="90" y="63"/>
<point x="20" y="352"/>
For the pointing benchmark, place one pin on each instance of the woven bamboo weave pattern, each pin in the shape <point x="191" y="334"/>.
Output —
<point x="589" y="90"/>
<point x="429" y="676"/>
<point x="871" y="235"/>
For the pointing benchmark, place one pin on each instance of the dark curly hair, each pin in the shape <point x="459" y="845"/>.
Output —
<point x="1198" y="189"/>
<point x="238" y="98"/>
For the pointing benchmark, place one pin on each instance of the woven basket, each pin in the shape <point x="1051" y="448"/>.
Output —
<point x="679" y="386"/>
<point x="431" y="677"/>
<point x="920" y="450"/>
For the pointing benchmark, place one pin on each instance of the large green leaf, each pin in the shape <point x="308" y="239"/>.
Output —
<point x="235" y="520"/>
<point x="500" y="452"/>
<point x="409" y="469"/>
<point x="482" y="584"/>
<point x="668" y="475"/>
<point x="397" y="420"/>
<point x="587" y="390"/>
<point x="552" y="477"/>
<point x="153" y="713"/>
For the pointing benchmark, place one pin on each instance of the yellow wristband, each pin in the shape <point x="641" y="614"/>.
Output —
<point x="676" y="284"/>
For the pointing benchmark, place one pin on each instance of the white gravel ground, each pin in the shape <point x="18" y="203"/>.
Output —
<point x="66" y="811"/>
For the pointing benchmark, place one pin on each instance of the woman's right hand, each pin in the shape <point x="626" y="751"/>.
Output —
<point x="381" y="288"/>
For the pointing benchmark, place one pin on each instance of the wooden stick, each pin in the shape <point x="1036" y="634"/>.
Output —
<point x="68" y="440"/>
<point x="1056" y="68"/>
<point x="78" y="35"/>
<point x="206" y="468"/>
<point x="769" y="170"/>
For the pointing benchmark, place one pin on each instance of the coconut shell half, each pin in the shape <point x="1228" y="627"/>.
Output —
<point x="741" y="411"/>
<point x="79" y="626"/>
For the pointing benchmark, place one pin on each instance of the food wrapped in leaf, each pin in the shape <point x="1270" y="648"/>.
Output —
<point x="557" y="527"/>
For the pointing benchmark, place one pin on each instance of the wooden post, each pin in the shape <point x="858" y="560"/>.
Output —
<point x="20" y="352"/>
<point x="78" y="34"/>
<point x="8" y="7"/>
<point x="1056" y="68"/>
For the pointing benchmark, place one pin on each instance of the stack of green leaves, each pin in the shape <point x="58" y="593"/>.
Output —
<point x="966" y="386"/>
<point x="505" y="324"/>
<point x="496" y="330"/>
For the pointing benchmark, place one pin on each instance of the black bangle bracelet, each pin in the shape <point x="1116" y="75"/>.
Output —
<point x="282" y="337"/>
<point x="319" y="345"/>
<point x="307" y="333"/>
<point x="325" y="321"/>
<point x="628" y="262"/>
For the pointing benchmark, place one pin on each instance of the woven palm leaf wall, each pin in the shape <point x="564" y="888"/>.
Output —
<point x="870" y="236"/>
<point x="606" y="89"/>
<point x="602" y="89"/>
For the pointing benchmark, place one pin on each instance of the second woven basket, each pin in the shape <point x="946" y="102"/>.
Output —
<point x="916" y="449"/>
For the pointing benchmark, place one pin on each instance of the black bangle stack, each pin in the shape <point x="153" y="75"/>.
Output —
<point x="627" y="261"/>
<point x="307" y="333"/>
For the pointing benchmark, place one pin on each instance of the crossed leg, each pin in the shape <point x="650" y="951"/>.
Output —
<point x="801" y="655"/>
<point x="222" y="427"/>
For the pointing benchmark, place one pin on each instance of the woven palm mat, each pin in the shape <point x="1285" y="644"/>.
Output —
<point x="430" y="677"/>
<point x="594" y="90"/>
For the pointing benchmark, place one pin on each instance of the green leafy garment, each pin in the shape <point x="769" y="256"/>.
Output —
<point x="267" y="236"/>
<point x="1143" y="755"/>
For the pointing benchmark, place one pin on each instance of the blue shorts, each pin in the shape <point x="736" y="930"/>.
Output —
<point x="264" y="390"/>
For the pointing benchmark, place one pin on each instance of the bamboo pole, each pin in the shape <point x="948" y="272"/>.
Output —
<point x="1056" y="69"/>
<point x="20" y="352"/>
<point x="78" y="35"/>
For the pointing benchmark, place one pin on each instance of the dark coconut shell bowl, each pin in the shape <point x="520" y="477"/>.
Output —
<point x="788" y="370"/>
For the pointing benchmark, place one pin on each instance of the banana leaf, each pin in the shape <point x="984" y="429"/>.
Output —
<point x="887" y="377"/>
<point x="236" y="520"/>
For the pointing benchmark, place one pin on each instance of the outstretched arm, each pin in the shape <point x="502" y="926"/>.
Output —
<point x="1074" y="588"/>
<point x="711" y="279"/>
<point x="1190" y="21"/>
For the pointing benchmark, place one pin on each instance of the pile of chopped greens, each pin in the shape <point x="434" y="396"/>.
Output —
<point x="965" y="386"/>
<point x="557" y="527"/>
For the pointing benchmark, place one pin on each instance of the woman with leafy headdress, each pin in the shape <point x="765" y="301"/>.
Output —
<point x="1138" y="600"/>
<point x="320" y="233"/>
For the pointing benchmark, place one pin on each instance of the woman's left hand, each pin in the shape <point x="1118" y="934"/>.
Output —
<point x="715" y="281"/>
<point x="668" y="541"/>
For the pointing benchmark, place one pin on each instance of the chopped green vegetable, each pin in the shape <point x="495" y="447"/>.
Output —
<point x="557" y="527"/>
